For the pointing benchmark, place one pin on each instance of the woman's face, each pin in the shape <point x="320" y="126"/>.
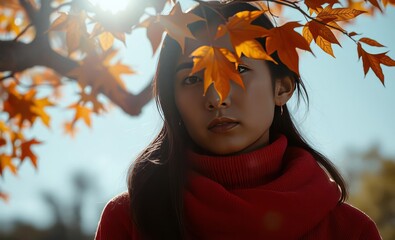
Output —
<point x="241" y="123"/>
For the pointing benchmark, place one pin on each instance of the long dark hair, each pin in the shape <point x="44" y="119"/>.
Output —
<point x="156" y="178"/>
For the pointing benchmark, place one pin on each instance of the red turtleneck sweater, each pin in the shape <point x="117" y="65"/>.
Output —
<point x="276" y="192"/>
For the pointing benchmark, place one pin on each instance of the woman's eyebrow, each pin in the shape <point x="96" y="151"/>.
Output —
<point x="184" y="65"/>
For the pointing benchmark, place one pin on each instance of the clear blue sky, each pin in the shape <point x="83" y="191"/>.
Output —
<point x="346" y="111"/>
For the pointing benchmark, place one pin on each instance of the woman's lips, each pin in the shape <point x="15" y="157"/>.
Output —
<point x="222" y="125"/>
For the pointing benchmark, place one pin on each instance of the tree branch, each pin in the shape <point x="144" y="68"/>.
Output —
<point x="18" y="56"/>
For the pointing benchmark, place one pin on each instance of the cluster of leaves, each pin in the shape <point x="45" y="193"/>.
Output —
<point x="75" y="41"/>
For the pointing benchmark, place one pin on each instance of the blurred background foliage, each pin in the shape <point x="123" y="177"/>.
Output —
<point x="66" y="217"/>
<point x="372" y="187"/>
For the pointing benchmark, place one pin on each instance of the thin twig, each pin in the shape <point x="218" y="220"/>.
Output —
<point x="271" y="14"/>
<point x="23" y="32"/>
<point x="10" y="75"/>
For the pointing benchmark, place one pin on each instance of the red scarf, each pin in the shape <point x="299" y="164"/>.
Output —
<point x="276" y="192"/>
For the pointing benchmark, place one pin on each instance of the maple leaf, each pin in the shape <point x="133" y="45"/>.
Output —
<point x="321" y="34"/>
<point x="26" y="151"/>
<point x="98" y="72"/>
<point x="12" y="26"/>
<point x="285" y="40"/>
<point x="107" y="37"/>
<point x="85" y="98"/>
<point x="317" y="4"/>
<point x="243" y="34"/>
<point x="176" y="24"/>
<point x="74" y="26"/>
<point x="38" y="109"/>
<point x="154" y="32"/>
<point x="373" y="61"/>
<point x="26" y="107"/>
<point x="338" y="14"/>
<point x="81" y="112"/>
<point x="6" y="162"/>
<point x="219" y="69"/>
<point x="117" y="69"/>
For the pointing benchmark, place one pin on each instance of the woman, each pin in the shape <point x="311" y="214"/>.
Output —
<point x="230" y="169"/>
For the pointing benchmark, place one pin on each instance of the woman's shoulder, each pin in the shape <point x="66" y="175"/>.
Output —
<point x="355" y="221"/>
<point x="116" y="220"/>
<point x="119" y="203"/>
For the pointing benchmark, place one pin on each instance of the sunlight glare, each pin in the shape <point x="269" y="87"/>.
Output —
<point x="113" y="6"/>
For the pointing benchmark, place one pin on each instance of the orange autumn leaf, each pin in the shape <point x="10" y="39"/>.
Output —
<point x="317" y="4"/>
<point x="359" y="5"/>
<point x="26" y="107"/>
<point x="106" y="40"/>
<point x="81" y="112"/>
<point x="307" y="34"/>
<point x="285" y="40"/>
<point x="2" y="142"/>
<point x="97" y="70"/>
<point x="26" y="151"/>
<point x="322" y="35"/>
<point x="240" y="24"/>
<point x="325" y="45"/>
<point x="48" y="76"/>
<point x="74" y="26"/>
<point x="154" y="32"/>
<point x="85" y="98"/>
<point x="176" y="24"/>
<point x="11" y="26"/>
<point x="373" y="61"/>
<point x="6" y="162"/>
<point x="219" y="69"/>
<point x="371" y="42"/>
<point x="117" y="70"/>
<point x="338" y="14"/>
<point x="386" y="2"/>
<point x="107" y="37"/>
<point x="243" y="34"/>
<point x="375" y="3"/>
<point x="70" y="129"/>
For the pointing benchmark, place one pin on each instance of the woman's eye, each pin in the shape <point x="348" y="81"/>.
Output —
<point x="242" y="69"/>
<point x="191" y="80"/>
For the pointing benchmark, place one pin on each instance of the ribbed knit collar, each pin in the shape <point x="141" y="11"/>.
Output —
<point x="276" y="192"/>
<point x="243" y="170"/>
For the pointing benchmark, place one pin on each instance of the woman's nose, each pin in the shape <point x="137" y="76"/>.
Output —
<point x="213" y="100"/>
